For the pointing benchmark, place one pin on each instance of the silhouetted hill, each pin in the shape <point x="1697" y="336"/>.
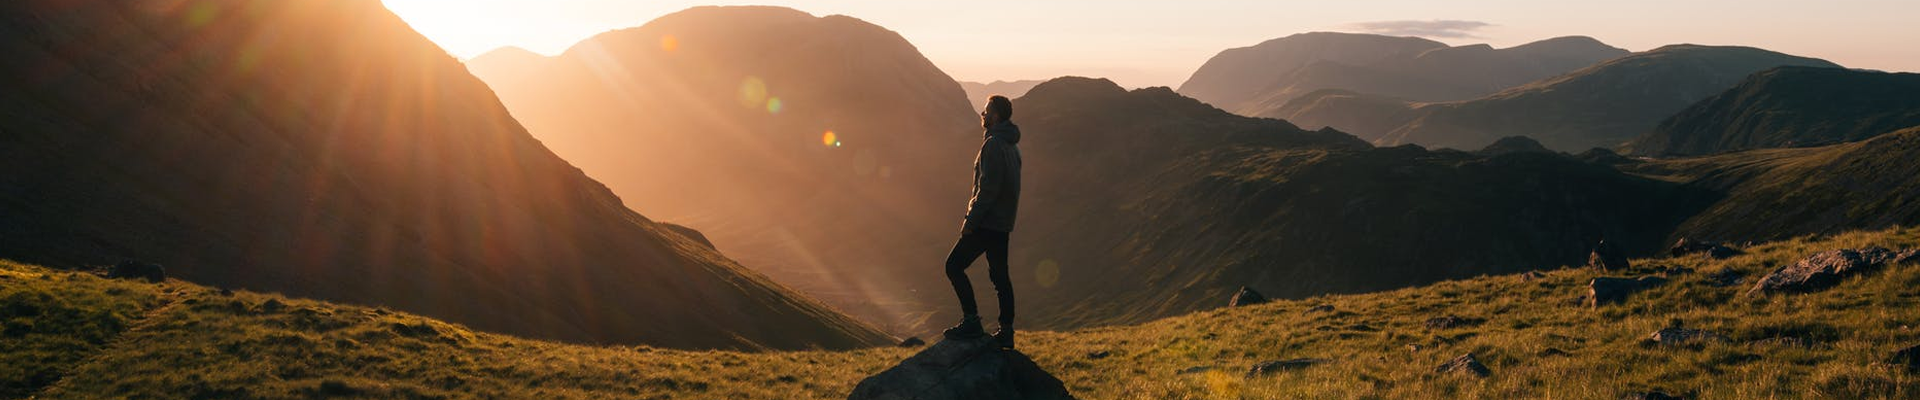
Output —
<point x="718" y="118"/>
<point x="1261" y="79"/>
<point x="1144" y="204"/>
<point x="1599" y="106"/>
<point x="322" y="148"/>
<point x="1789" y="107"/>
<point x="1778" y="193"/>
<point x="977" y="93"/>
<point x="1514" y="144"/>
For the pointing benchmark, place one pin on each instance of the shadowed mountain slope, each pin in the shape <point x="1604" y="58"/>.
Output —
<point x="1778" y="193"/>
<point x="825" y="151"/>
<point x="322" y="148"/>
<point x="1600" y="106"/>
<point x="1789" y="107"/>
<point x="1260" y="79"/>
<point x="1157" y="205"/>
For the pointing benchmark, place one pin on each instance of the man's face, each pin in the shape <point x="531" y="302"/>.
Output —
<point x="988" y="117"/>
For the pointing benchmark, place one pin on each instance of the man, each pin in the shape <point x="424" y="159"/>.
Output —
<point x="989" y="220"/>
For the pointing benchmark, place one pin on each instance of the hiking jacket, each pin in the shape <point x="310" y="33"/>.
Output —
<point x="996" y="180"/>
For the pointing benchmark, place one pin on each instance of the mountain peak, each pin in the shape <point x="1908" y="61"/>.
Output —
<point x="1076" y="87"/>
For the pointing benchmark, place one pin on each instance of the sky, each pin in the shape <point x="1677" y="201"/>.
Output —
<point x="1160" y="43"/>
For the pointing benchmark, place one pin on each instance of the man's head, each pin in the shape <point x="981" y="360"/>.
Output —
<point x="998" y="109"/>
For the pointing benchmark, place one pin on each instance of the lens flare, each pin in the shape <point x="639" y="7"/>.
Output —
<point x="830" y="139"/>
<point x="774" y="105"/>
<point x="669" y="43"/>
<point x="1048" y="273"/>
<point x="753" y="92"/>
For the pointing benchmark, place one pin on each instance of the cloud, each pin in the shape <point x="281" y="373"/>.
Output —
<point x="1438" y="28"/>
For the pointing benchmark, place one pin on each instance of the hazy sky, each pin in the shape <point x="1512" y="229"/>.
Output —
<point x="1159" y="43"/>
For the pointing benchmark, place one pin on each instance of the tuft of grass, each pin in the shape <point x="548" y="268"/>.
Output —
<point x="136" y="340"/>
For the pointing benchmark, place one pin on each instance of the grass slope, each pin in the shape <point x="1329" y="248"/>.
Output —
<point x="99" y="339"/>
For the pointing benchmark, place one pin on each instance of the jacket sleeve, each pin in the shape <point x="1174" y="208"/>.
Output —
<point x="989" y="183"/>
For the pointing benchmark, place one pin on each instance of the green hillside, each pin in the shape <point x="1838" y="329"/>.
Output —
<point x="74" y="335"/>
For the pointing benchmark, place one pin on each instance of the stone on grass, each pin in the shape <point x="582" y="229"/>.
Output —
<point x="1607" y="257"/>
<point x="1822" y="270"/>
<point x="1246" y="297"/>
<point x="962" y="369"/>
<point x="1465" y="363"/>
<point x="1607" y="290"/>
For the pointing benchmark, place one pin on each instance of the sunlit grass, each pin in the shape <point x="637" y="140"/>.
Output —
<point x="1538" y="343"/>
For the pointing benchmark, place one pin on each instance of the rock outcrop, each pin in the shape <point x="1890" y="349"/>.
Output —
<point x="1607" y="257"/>
<point x="962" y="370"/>
<point x="1679" y="336"/>
<point x="138" y="270"/>
<point x="1246" y="297"/>
<point x="1465" y="363"/>
<point x="1606" y="290"/>
<point x="1825" y="269"/>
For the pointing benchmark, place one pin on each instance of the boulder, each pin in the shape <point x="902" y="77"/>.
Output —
<point x="1678" y="336"/>
<point x="962" y="369"/>
<point x="913" y="341"/>
<point x="1465" y="363"/>
<point x="138" y="270"/>
<point x="1908" y="357"/>
<point x="1607" y="257"/>
<point x="1099" y="354"/>
<point x="1246" y="297"/>
<point x="1823" y="270"/>
<point x="1269" y="367"/>
<point x="1606" y="290"/>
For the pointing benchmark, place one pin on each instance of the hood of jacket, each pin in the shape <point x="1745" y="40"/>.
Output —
<point x="1005" y="130"/>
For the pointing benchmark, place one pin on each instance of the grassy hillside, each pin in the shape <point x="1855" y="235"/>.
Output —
<point x="1777" y="193"/>
<point x="79" y="336"/>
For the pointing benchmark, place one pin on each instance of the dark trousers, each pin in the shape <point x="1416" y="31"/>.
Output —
<point x="994" y="244"/>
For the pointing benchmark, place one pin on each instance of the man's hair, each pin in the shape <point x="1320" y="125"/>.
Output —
<point x="1000" y="105"/>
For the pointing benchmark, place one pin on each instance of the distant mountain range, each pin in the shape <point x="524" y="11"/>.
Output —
<point x="1145" y="204"/>
<point x="977" y="93"/>
<point x="1604" y="105"/>
<point x="1789" y="107"/>
<point x="1259" y="80"/>
<point x="322" y="148"/>
<point x="824" y="151"/>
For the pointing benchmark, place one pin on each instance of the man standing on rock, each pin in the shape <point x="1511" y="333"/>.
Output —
<point x="989" y="220"/>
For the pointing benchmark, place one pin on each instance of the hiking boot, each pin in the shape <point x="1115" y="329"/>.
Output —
<point x="969" y="328"/>
<point x="1004" y="336"/>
